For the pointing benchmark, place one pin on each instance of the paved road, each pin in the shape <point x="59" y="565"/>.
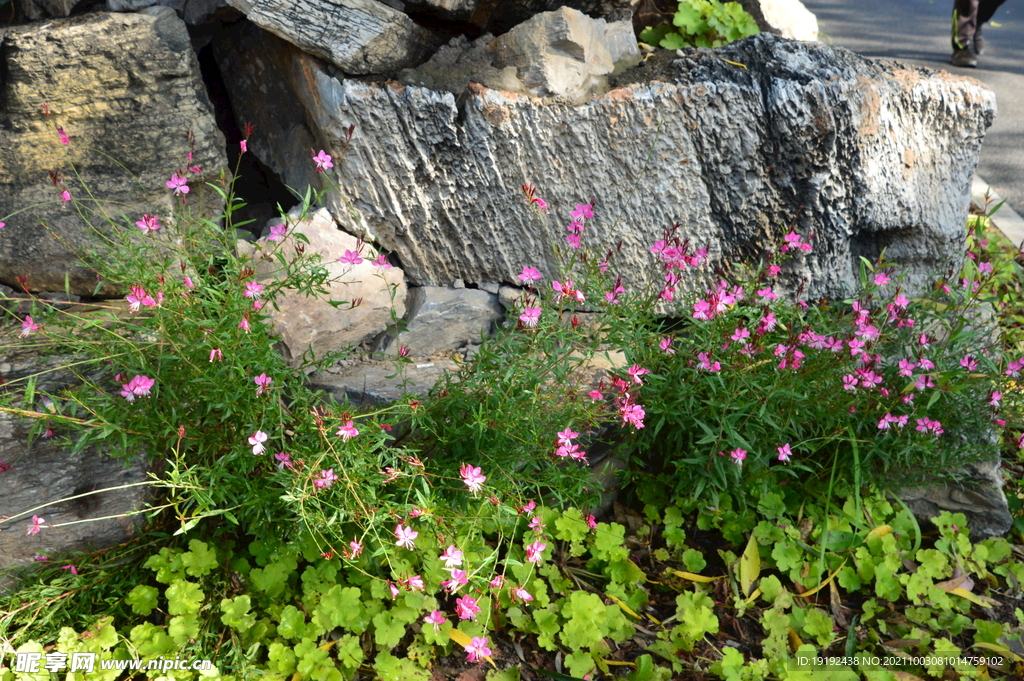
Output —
<point x="918" y="32"/>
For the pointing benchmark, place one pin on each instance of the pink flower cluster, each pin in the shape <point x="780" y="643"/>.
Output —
<point x="139" y="386"/>
<point x="567" y="448"/>
<point x="138" y="298"/>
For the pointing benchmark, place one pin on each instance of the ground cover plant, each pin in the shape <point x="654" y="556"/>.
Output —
<point x="296" y="538"/>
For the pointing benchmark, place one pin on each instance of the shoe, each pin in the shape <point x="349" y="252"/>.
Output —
<point x="965" y="57"/>
<point x="979" y="42"/>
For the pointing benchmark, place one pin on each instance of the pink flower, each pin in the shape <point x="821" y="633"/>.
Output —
<point x="706" y="363"/>
<point x="322" y="160"/>
<point x="635" y="372"/>
<point x="666" y="346"/>
<point x="591" y="521"/>
<point x="849" y="382"/>
<point x="139" y="386"/>
<point x="784" y="452"/>
<point x="65" y="195"/>
<point x="968" y="362"/>
<point x="148" y="223"/>
<point x="583" y="210"/>
<point x="528" y="507"/>
<point x="466" y="608"/>
<point x="985" y="267"/>
<point x="436" y="618"/>
<point x="573" y="240"/>
<point x="497" y="582"/>
<point x="768" y="294"/>
<point x="216" y="354"/>
<point x="740" y="335"/>
<point x="2" y="225"/>
<point x="595" y="395"/>
<point x="350" y="258"/>
<point x="256" y="440"/>
<point x="178" y="184"/>
<point x="188" y="282"/>
<point x="244" y="146"/>
<point x="65" y="140"/>
<point x="856" y="346"/>
<point x="326" y="479"/>
<point x="28" y="326"/>
<point x="284" y="460"/>
<point x="927" y="425"/>
<point x="37" y="523"/>
<point x="566" y="290"/>
<point x="522" y="594"/>
<point x="262" y="383"/>
<point x="533" y="551"/>
<point x="356" y="548"/>
<point x="415" y="583"/>
<point x="907" y="367"/>
<point x="381" y="261"/>
<point x="476" y="649"/>
<point x="459" y="578"/>
<point x="882" y="279"/>
<point x="471" y="477"/>
<point x="565" y="437"/>
<point x="252" y="289"/>
<point x="529" y="274"/>
<point x="277" y="232"/>
<point x="768" y="323"/>
<point x="530" y="317"/>
<point x="4" y="467"/>
<point x="405" y="536"/>
<point x="244" y="324"/>
<point x="633" y="414"/>
<point x="394" y="589"/>
<point x="738" y="455"/>
<point x="452" y="557"/>
<point x="535" y="524"/>
<point x="996" y="396"/>
<point x="347" y="431"/>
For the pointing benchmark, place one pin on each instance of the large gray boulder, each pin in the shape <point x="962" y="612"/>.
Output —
<point x="125" y="84"/>
<point x="800" y="136"/>
<point x="357" y="36"/>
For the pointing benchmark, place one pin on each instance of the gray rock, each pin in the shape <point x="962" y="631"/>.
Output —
<point x="312" y="323"/>
<point x="805" y="135"/>
<point x="128" y="84"/>
<point x="440" y="319"/>
<point x="357" y="36"/>
<point x="979" y="496"/>
<point x="40" y="9"/>
<point x="563" y="54"/>
<point x="489" y="286"/>
<point x="194" y="12"/>
<point x="371" y="384"/>
<point x="498" y="16"/>
<point x="41" y="479"/>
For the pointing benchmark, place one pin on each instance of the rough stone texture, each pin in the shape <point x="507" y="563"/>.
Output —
<point x="863" y="154"/>
<point x="41" y="476"/>
<point x="192" y="11"/>
<point x="43" y="473"/>
<point x="980" y="497"/>
<point x="357" y="36"/>
<point x="563" y="54"/>
<point x="128" y="84"/>
<point x="39" y="9"/>
<point x="440" y="319"/>
<point x="305" y="322"/>
<point x="371" y="384"/>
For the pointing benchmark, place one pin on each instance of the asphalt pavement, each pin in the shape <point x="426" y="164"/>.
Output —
<point x="918" y="32"/>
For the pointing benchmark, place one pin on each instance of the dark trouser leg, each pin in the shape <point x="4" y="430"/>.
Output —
<point x="986" y="10"/>
<point x="965" y="22"/>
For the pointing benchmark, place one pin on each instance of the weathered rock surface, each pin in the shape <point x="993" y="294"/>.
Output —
<point x="357" y="36"/>
<point x="192" y="11"/>
<point x="305" y="322"/>
<point x="41" y="476"/>
<point x="563" y="54"/>
<point x="43" y="473"/>
<point x="862" y="154"/>
<point x="39" y="9"/>
<point x="980" y="497"/>
<point x="127" y="84"/>
<point x="375" y="383"/>
<point x="456" y="10"/>
<point x="439" y="319"/>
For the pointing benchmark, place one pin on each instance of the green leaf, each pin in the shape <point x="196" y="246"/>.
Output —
<point x="200" y="559"/>
<point x="142" y="599"/>
<point x="236" y="613"/>
<point x="183" y="597"/>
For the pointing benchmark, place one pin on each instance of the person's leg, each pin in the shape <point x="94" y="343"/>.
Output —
<point x="986" y="10"/>
<point x="965" y="23"/>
